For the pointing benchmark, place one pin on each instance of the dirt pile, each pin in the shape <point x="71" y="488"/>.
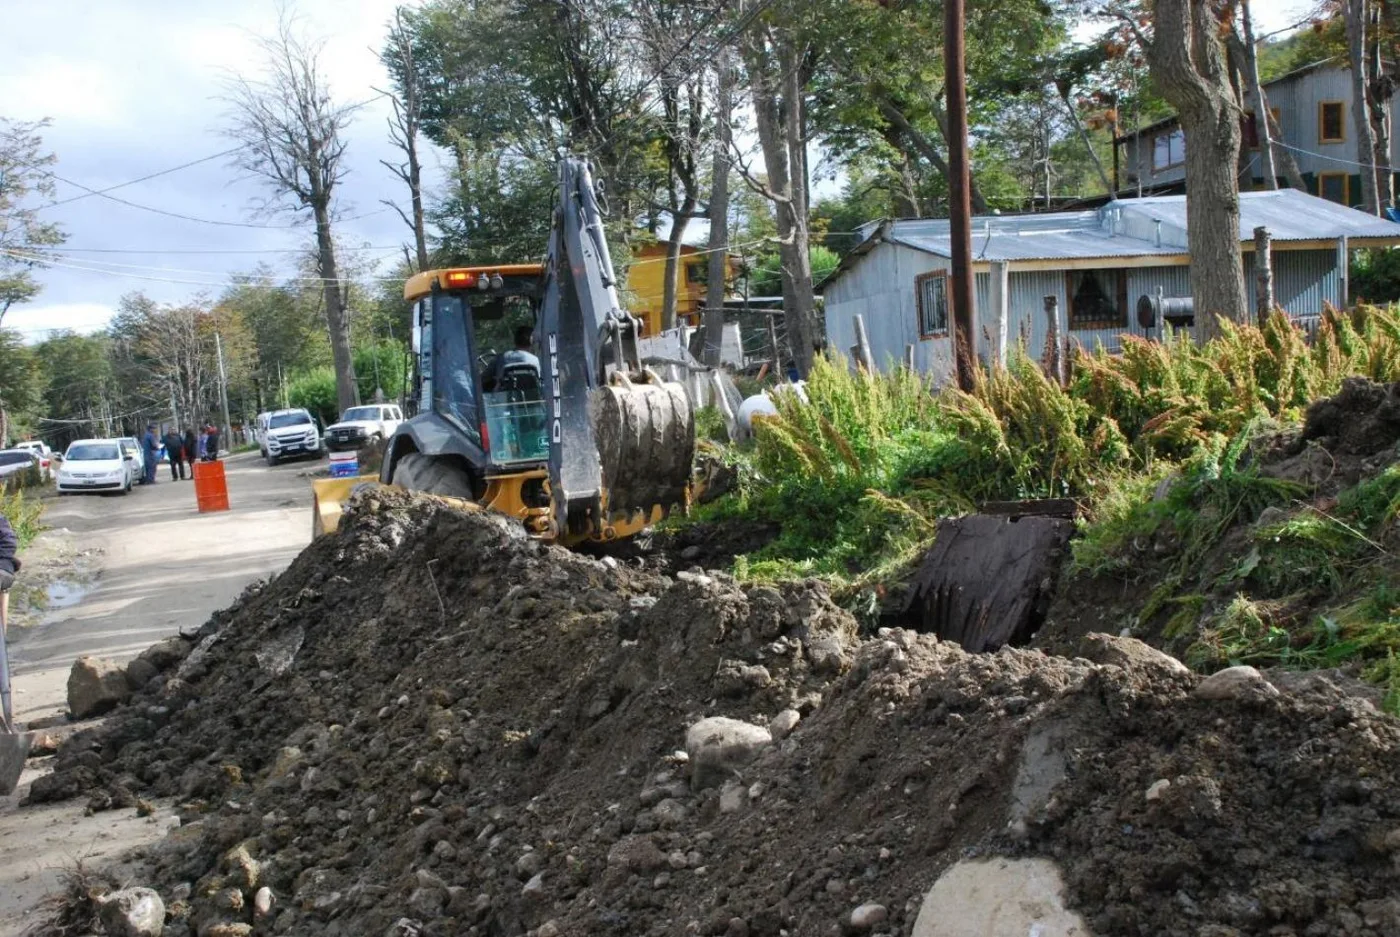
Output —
<point x="430" y="725"/>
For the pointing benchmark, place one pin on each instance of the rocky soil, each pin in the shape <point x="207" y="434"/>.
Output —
<point x="432" y="725"/>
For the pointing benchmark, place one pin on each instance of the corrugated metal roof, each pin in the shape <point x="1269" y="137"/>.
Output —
<point x="1142" y="227"/>
<point x="1289" y="215"/>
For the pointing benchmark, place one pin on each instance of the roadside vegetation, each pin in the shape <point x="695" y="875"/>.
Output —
<point x="1158" y="444"/>
<point x="20" y="503"/>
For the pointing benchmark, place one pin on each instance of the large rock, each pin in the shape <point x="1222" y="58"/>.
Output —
<point x="1236" y="683"/>
<point x="718" y="745"/>
<point x="166" y="654"/>
<point x="998" y="896"/>
<point x="96" y="685"/>
<point x="1129" y="653"/>
<point x="132" y="912"/>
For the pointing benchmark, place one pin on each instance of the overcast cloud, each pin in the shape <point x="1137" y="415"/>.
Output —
<point x="133" y="87"/>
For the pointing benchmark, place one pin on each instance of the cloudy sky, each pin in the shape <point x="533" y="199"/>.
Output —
<point x="134" y="87"/>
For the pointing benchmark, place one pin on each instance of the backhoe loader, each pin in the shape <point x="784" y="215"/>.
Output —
<point x="572" y="437"/>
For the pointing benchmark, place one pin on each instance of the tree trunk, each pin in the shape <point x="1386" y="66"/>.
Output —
<point x="1188" y="67"/>
<point x="1083" y="138"/>
<point x="1257" y="100"/>
<point x="1360" y="111"/>
<point x="802" y="329"/>
<point x="1380" y="89"/>
<point x="712" y="318"/>
<point x="347" y="394"/>
<point x="679" y="222"/>
<point x="925" y="148"/>
<point x="1283" y="156"/>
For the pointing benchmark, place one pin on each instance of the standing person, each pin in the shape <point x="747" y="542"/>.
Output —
<point x="191" y="448"/>
<point x="212" y="446"/>
<point x="175" y="452"/>
<point x="149" y="447"/>
<point x="9" y="565"/>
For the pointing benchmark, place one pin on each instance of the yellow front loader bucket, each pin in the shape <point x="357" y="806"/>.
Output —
<point x="328" y="497"/>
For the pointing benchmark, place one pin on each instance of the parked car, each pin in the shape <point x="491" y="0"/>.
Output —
<point x="45" y="454"/>
<point x="361" y="425"/>
<point x="18" y="461"/>
<point x="260" y="431"/>
<point x="96" y="465"/>
<point x="291" y="432"/>
<point x="131" y="446"/>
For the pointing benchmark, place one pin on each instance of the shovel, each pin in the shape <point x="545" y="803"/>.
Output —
<point x="14" y="746"/>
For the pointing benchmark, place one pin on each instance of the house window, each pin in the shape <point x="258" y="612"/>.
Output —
<point x="1331" y="122"/>
<point x="931" y="296"/>
<point x="1251" y="127"/>
<point x="1169" y="149"/>
<point x="1335" y="187"/>
<point x="1098" y="299"/>
<point x="696" y="273"/>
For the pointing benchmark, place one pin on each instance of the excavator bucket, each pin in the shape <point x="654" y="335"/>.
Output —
<point x="646" y="444"/>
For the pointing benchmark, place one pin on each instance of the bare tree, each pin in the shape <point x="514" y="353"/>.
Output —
<point x="404" y="126"/>
<point x="713" y="316"/>
<point x="1187" y="60"/>
<point x="290" y="131"/>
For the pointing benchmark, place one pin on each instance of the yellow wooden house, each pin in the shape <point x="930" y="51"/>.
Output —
<point x="646" y="284"/>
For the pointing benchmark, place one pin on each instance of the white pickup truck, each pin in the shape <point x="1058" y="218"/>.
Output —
<point x="359" y="426"/>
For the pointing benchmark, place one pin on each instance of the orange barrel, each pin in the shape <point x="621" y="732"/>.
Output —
<point x="210" y="487"/>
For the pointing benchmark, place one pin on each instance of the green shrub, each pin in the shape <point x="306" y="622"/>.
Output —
<point x="24" y="512"/>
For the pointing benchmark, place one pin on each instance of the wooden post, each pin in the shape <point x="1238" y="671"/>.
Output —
<point x="909" y="358"/>
<point x="1001" y="311"/>
<point x="1052" y="361"/>
<point x="1344" y="271"/>
<point x="1263" y="274"/>
<point x="864" y="358"/>
<point x="960" y="285"/>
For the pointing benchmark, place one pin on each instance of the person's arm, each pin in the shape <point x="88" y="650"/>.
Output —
<point x="9" y="540"/>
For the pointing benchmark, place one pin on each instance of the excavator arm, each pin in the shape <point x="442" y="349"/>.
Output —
<point x="621" y="441"/>
<point x="618" y="443"/>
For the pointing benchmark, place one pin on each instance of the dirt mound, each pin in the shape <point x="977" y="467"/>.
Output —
<point x="430" y="725"/>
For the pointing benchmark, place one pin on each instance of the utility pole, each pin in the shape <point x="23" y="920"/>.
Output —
<point x="959" y="191"/>
<point x="223" y="390"/>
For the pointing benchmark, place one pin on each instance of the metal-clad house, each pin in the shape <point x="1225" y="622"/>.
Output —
<point x="1097" y="264"/>
<point x="1313" y="108"/>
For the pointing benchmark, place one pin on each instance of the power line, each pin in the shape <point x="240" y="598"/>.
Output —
<point x="211" y="221"/>
<point x="122" y="185"/>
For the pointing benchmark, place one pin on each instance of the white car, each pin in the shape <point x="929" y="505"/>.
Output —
<point x="95" y="465"/>
<point x="291" y="432"/>
<point x="40" y="448"/>
<point x="360" y="425"/>
<point x="16" y="461"/>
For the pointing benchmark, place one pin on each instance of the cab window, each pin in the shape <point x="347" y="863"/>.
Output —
<point x="454" y="383"/>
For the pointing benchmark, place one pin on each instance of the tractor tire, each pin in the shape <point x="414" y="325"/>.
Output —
<point x="418" y="472"/>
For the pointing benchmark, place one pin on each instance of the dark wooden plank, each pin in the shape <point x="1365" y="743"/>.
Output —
<point x="1035" y="507"/>
<point x="987" y="581"/>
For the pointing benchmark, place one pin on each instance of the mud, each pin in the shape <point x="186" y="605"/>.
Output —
<point x="431" y="725"/>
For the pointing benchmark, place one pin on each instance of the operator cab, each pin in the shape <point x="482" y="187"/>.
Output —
<point x="476" y="359"/>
